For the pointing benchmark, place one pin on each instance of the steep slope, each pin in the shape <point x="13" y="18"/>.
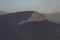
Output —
<point x="9" y="24"/>
<point x="34" y="17"/>
<point x="18" y="16"/>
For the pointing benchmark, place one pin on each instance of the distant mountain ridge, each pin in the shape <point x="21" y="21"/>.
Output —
<point x="54" y="17"/>
<point x="3" y="12"/>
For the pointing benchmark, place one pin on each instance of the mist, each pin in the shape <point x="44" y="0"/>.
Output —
<point x="42" y="6"/>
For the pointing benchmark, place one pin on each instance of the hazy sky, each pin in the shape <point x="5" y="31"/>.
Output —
<point x="43" y="6"/>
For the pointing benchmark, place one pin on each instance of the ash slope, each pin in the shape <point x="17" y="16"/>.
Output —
<point x="39" y="30"/>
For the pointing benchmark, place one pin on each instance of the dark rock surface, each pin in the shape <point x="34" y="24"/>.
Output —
<point x="41" y="30"/>
<point x="8" y="24"/>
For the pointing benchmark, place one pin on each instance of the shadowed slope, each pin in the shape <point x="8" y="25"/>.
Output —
<point x="39" y="30"/>
<point x="19" y="16"/>
<point x="8" y="24"/>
